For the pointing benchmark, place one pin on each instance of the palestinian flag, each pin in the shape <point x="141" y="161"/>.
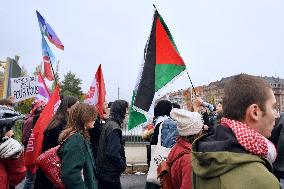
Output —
<point x="162" y="65"/>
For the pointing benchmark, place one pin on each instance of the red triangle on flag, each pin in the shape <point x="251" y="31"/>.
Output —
<point x="165" y="50"/>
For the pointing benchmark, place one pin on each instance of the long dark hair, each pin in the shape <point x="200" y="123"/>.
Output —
<point x="60" y="117"/>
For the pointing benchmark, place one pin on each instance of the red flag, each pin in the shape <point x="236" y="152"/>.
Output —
<point x="47" y="70"/>
<point x="48" y="59"/>
<point x="96" y="94"/>
<point x="101" y="90"/>
<point x="34" y="146"/>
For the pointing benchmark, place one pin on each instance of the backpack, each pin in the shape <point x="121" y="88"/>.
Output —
<point x="164" y="171"/>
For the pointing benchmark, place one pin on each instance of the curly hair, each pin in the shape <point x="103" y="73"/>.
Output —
<point x="79" y="115"/>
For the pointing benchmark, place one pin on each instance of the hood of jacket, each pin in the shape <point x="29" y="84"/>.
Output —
<point x="118" y="111"/>
<point x="218" y="152"/>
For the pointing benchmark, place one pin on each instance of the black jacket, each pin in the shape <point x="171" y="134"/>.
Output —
<point x="277" y="138"/>
<point x="220" y="139"/>
<point x="95" y="134"/>
<point x="111" y="161"/>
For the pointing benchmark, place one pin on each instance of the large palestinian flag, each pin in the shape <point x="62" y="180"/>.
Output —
<point x="162" y="64"/>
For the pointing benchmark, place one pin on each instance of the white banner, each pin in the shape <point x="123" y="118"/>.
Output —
<point x="92" y="95"/>
<point x="24" y="87"/>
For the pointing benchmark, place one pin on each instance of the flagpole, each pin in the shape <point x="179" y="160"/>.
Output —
<point x="55" y="79"/>
<point x="191" y="83"/>
<point x="118" y="93"/>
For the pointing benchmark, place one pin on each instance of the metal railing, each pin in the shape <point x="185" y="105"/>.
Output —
<point x="133" y="136"/>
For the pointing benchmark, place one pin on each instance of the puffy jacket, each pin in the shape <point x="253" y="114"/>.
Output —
<point x="12" y="172"/>
<point x="220" y="162"/>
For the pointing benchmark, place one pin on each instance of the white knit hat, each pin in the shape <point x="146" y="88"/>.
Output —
<point x="189" y="123"/>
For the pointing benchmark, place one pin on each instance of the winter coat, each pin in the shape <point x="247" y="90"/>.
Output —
<point x="50" y="140"/>
<point x="95" y="135"/>
<point x="12" y="172"/>
<point x="181" y="170"/>
<point x="111" y="161"/>
<point x="219" y="162"/>
<point x="78" y="166"/>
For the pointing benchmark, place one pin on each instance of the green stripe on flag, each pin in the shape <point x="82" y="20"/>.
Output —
<point x="164" y="73"/>
<point x="135" y="118"/>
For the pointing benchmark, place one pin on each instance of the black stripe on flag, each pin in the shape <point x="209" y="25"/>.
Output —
<point x="146" y="89"/>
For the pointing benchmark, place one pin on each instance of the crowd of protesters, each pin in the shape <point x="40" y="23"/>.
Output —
<point x="237" y="143"/>
<point x="89" y="159"/>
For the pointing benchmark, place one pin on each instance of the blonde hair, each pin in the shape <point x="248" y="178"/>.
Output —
<point x="79" y="115"/>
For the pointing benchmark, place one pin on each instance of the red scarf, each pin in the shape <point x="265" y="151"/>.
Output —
<point x="251" y="140"/>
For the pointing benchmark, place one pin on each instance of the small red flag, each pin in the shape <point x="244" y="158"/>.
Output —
<point x="96" y="94"/>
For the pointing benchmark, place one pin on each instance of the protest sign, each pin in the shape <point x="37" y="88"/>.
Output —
<point x="24" y="87"/>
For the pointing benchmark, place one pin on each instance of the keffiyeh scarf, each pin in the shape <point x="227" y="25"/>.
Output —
<point x="251" y="140"/>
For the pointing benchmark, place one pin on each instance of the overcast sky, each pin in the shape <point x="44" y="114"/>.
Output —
<point x="216" y="38"/>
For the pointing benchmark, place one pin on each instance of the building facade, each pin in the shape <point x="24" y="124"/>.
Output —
<point x="8" y="69"/>
<point x="181" y="97"/>
<point x="214" y="92"/>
